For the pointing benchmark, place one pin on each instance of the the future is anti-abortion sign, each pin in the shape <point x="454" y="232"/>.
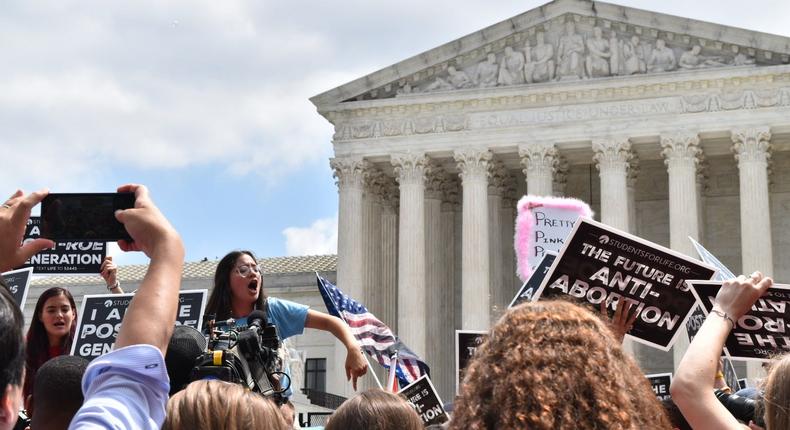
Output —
<point x="762" y="333"/>
<point x="660" y="383"/>
<point x="425" y="400"/>
<point x="599" y="263"/>
<point x="70" y="258"/>
<point x="101" y="315"/>
<point x="466" y="343"/>
<point x="532" y="284"/>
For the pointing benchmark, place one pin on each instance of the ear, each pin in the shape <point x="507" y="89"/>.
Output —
<point x="9" y="406"/>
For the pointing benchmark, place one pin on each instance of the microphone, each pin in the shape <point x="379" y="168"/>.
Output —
<point x="186" y="345"/>
<point x="257" y="319"/>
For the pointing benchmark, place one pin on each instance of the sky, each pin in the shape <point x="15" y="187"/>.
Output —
<point x="206" y="102"/>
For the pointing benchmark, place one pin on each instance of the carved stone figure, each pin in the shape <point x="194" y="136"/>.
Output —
<point x="742" y="60"/>
<point x="456" y="79"/>
<point x="405" y="89"/>
<point x="633" y="58"/>
<point x="543" y="66"/>
<point x="692" y="59"/>
<point x="511" y="69"/>
<point x="616" y="48"/>
<point x="486" y="74"/>
<point x="570" y="53"/>
<point x="597" y="61"/>
<point x="662" y="59"/>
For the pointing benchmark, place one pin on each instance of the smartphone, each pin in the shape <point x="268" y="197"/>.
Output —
<point x="84" y="216"/>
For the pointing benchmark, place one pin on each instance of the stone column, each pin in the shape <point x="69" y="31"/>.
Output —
<point x="752" y="148"/>
<point x="371" y="241"/>
<point x="611" y="158"/>
<point x="560" y="177"/>
<point x="633" y="172"/>
<point x="474" y="164"/>
<point x="681" y="155"/>
<point x="702" y="184"/>
<point x="439" y="294"/>
<point x="539" y="162"/>
<point x="508" y="220"/>
<point x="350" y="174"/>
<point x="388" y="290"/>
<point x="496" y="184"/>
<point x="410" y="169"/>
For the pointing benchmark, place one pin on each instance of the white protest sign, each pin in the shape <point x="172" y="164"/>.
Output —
<point x="542" y="225"/>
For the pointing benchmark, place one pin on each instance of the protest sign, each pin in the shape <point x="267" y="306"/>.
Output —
<point x="527" y="290"/>
<point x="423" y="397"/>
<point x="760" y="334"/>
<point x="18" y="282"/>
<point x="67" y="258"/>
<point x="542" y="225"/>
<point x="660" y="383"/>
<point x="602" y="264"/>
<point x="742" y="383"/>
<point x="466" y="343"/>
<point x="101" y="315"/>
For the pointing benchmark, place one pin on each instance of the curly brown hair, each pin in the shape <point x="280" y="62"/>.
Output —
<point x="554" y="365"/>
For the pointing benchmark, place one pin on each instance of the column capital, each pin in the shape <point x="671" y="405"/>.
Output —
<point x="612" y="152"/>
<point x="538" y="157"/>
<point x="633" y="171"/>
<point x="435" y="180"/>
<point x="751" y="144"/>
<point x="497" y="178"/>
<point x="681" y="148"/>
<point x="410" y="167"/>
<point x="390" y="201"/>
<point x="560" y="179"/>
<point x="349" y="172"/>
<point x="451" y="190"/>
<point x="474" y="163"/>
<point x="376" y="183"/>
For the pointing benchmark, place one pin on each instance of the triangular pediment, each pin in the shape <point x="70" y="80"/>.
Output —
<point x="567" y="40"/>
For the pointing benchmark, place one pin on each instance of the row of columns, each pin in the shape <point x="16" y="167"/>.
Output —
<point x="424" y="278"/>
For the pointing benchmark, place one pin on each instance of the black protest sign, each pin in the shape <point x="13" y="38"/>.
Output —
<point x="532" y="284"/>
<point x="67" y="258"/>
<point x="18" y="282"/>
<point x="599" y="263"/>
<point x="660" y="383"/>
<point x="101" y="315"/>
<point x="742" y="383"/>
<point x="425" y="400"/>
<point x="466" y="343"/>
<point x="760" y="334"/>
<point x="695" y="322"/>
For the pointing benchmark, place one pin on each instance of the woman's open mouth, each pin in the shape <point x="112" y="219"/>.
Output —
<point x="253" y="285"/>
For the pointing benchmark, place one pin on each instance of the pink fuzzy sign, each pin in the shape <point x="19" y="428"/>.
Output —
<point x="542" y="225"/>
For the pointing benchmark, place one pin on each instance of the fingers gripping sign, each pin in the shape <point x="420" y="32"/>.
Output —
<point x="623" y="320"/>
<point x="14" y="214"/>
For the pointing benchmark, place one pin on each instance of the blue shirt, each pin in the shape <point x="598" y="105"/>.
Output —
<point x="124" y="389"/>
<point x="288" y="316"/>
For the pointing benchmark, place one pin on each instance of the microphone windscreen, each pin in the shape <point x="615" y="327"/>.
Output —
<point x="186" y="345"/>
<point x="257" y="315"/>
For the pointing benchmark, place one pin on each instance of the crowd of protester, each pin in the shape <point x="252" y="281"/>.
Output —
<point x="545" y="365"/>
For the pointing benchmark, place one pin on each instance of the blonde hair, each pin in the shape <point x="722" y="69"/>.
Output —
<point x="375" y="410"/>
<point x="777" y="394"/>
<point x="217" y="405"/>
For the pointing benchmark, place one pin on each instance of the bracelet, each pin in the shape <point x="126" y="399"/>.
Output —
<point x="117" y="284"/>
<point x="723" y="315"/>
<point x="719" y="375"/>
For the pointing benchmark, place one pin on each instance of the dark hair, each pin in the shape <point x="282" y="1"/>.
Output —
<point x="37" y="339"/>
<point x="375" y="410"/>
<point x="57" y="394"/>
<point x="220" y="299"/>
<point x="12" y="346"/>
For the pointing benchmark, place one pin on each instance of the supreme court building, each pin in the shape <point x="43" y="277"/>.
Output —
<point x="668" y="127"/>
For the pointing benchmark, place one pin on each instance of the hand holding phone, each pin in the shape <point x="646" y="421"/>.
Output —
<point x="85" y="216"/>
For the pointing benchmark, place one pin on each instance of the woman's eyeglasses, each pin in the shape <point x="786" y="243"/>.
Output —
<point x="245" y="270"/>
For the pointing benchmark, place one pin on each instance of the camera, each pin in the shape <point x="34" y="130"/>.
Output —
<point x="248" y="357"/>
<point x="742" y="408"/>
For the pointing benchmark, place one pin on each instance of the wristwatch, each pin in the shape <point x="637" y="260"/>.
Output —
<point x="114" y="286"/>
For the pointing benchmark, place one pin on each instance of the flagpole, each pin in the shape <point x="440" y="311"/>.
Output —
<point x="364" y="355"/>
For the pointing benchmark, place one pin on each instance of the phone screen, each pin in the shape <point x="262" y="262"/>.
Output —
<point x="84" y="217"/>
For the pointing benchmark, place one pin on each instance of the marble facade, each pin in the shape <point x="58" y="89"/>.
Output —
<point x="667" y="126"/>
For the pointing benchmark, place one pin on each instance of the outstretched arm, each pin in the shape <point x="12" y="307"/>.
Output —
<point x="356" y="365"/>
<point x="152" y="312"/>
<point x="692" y="386"/>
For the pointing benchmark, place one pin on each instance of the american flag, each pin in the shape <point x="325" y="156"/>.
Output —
<point x="376" y="338"/>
